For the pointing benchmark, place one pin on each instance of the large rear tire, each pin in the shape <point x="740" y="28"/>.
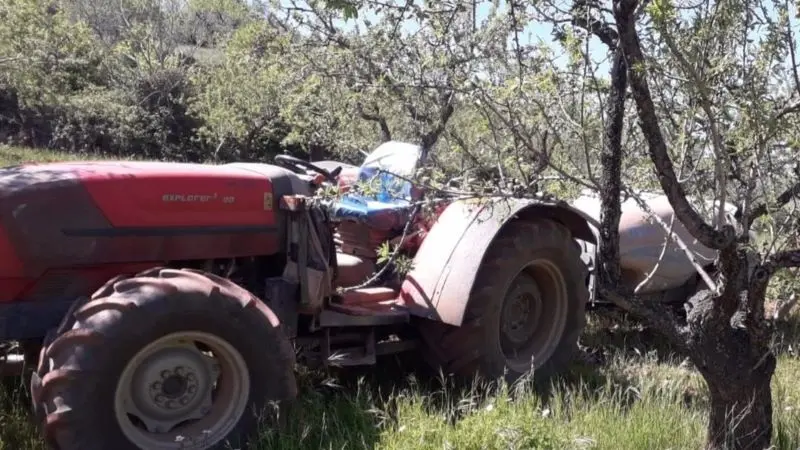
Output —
<point x="526" y="310"/>
<point x="167" y="359"/>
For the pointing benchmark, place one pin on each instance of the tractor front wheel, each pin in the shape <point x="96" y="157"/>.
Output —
<point x="168" y="359"/>
<point x="526" y="311"/>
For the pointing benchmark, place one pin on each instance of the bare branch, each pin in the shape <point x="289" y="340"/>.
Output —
<point x="789" y="109"/>
<point x="792" y="50"/>
<point x="721" y="163"/>
<point x="695" y="224"/>
<point x="675" y="238"/>
<point x="655" y="314"/>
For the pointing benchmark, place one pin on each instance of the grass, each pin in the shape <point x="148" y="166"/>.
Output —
<point x="10" y="156"/>
<point x="623" y="398"/>
<point x="627" y="392"/>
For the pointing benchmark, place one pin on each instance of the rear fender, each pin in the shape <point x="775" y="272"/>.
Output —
<point x="444" y="270"/>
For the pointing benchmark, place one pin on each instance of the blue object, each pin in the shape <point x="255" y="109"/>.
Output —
<point x="390" y="206"/>
<point x="376" y="214"/>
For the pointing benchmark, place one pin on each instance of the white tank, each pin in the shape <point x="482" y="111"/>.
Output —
<point x="642" y="242"/>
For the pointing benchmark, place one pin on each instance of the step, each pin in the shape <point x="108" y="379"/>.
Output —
<point x="368" y="296"/>
<point x="353" y="270"/>
<point x="367" y="355"/>
<point x="361" y="316"/>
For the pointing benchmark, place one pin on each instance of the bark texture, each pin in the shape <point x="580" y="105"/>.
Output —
<point x="725" y="334"/>
<point x="737" y="365"/>
<point x="611" y="174"/>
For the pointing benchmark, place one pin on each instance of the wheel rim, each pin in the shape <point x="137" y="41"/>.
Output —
<point x="184" y="390"/>
<point x="533" y="316"/>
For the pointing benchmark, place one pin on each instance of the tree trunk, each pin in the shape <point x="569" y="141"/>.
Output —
<point x="737" y="365"/>
<point x="741" y="415"/>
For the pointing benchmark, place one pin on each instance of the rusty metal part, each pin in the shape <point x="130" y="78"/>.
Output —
<point x="353" y="269"/>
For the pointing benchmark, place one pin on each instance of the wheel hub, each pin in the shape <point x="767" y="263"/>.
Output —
<point x="533" y="315"/>
<point x="175" y="385"/>
<point x="171" y="386"/>
<point x="521" y="313"/>
<point x="176" y="390"/>
<point x="184" y="390"/>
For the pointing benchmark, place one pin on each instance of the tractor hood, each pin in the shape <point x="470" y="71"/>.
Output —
<point x="132" y="193"/>
<point x="87" y="213"/>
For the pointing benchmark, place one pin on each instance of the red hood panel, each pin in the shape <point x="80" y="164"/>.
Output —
<point x="159" y="194"/>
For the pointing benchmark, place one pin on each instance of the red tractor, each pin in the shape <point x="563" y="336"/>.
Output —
<point x="164" y="305"/>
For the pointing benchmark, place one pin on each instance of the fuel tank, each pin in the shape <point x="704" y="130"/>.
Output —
<point x="62" y="216"/>
<point x="644" y="245"/>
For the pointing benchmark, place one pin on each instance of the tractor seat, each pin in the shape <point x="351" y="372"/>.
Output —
<point x="390" y="203"/>
<point x="373" y="213"/>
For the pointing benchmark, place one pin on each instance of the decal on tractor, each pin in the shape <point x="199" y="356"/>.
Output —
<point x="188" y="198"/>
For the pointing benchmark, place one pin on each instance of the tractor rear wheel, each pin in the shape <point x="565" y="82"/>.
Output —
<point x="526" y="310"/>
<point x="167" y="359"/>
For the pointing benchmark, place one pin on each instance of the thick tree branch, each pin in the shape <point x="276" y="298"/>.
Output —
<point x="610" y="189"/>
<point x="785" y="260"/>
<point x="386" y="134"/>
<point x="785" y="197"/>
<point x="436" y="129"/>
<point x="649" y="124"/>
<point x="611" y="174"/>
<point x="762" y="273"/>
<point x="759" y="280"/>
<point x="604" y="31"/>
<point x="653" y="313"/>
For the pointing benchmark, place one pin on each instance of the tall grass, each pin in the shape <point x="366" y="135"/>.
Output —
<point x="663" y="409"/>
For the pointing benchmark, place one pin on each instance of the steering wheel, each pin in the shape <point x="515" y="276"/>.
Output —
<point x="297" y="165"/>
